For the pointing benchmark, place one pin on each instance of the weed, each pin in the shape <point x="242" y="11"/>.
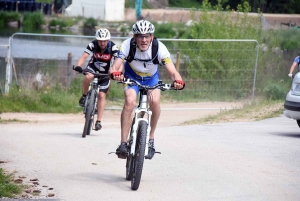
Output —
<point x="8" y="189"/>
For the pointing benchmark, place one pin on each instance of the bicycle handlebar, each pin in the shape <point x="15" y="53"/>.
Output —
<point x="160" y="85"/>
<point x="81" y="71"/>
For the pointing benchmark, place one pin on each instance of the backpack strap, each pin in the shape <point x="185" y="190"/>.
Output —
<point x="109" y="47"/>
<point x="95" y="46"/>
<point x="132" y="50"/>
<point x="155" y="51"/>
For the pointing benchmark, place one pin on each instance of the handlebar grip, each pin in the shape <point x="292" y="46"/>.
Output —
<point x="78" y="69"/>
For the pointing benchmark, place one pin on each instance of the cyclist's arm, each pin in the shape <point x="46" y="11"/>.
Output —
<point x="117" y="65"/>
<point x="82" y="59"/>
<point x="295" y="63"/>
<point x="293" y="67"/>
<point x="173" y="73"/>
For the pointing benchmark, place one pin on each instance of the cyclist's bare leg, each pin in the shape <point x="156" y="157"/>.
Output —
<point x="126" y="115"/>
<point x="155" y="108"/>
<point x="86" y="81"/>
<point x="101" y="105"/>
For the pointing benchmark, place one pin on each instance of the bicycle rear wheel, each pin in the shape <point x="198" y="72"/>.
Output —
<point x="138" y="159"/>
<point x="89" y="115"/>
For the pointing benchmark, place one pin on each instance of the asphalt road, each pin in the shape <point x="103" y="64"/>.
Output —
<point x="224" y="161"/>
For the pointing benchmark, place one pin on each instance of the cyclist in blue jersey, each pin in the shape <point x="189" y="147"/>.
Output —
<point x="295" y="63"/>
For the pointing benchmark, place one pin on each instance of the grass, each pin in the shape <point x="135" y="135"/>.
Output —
<point x="10" y="120"/>
<point x="249" y="112"/>
<point x="8" y="189"/>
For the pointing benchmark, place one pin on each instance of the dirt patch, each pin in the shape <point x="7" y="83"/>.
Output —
<point x="171" y="114"/>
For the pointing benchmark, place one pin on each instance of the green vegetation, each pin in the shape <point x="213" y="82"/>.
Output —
<point x="165" y="30"/>
<point x="52" y="99"/>
<point x="289" y="39"/>
<point x="258" y="110"/>
<point x="33" y="20"/>
<point x="8" y="189"/>
<point x="184" y="3"/>
<point x="6" y="17"/>
<point x="207" y="62"/>
<point x="44" y="1"/>
<point x="10" y="120"/>
<point x="90" y="23"/>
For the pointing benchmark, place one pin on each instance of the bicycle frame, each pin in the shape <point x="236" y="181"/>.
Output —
<point x="93" y="85"/>
<point x="138" y="139"/>
<point x="139" y="113"/>
<point x="91" y="100"/>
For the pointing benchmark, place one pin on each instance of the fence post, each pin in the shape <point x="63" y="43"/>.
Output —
<point x="8" y="77"/>
<point x="69" y="66"/>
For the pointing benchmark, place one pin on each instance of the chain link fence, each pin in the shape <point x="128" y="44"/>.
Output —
<point x="211" y="69"/>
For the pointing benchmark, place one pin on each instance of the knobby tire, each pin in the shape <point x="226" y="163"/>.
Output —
<point x="129" y="167"/>
<point x="129" y="160"/>
<point x="138" y="160"/>
<point x="89" y="115"/>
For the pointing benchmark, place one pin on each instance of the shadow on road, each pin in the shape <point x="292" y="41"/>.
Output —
<point x="114" y="180"/>
<point x="294" y="135"/>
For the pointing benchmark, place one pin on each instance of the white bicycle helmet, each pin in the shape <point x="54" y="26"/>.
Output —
<point x="102" y="34"/>
<point x="143" y="27"/>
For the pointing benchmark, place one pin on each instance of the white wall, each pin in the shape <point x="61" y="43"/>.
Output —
<point x="114" y="10"/>
<point x="107" y="10"/>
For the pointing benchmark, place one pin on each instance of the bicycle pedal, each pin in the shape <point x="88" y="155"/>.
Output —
<point x="121" y="155"/>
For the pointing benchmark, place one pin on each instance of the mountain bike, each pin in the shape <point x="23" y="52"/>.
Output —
<point x="91" y="100"/>
<point x="140" y="129"/>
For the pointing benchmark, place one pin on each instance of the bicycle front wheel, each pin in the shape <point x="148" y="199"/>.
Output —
<point x="129" y="160"/>
<point x="89" y="115"/>
<point x="138" y="159"/>
<point x="129" y="167"/>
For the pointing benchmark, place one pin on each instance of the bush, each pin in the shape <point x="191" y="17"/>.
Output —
<point x="90" y="23"/>
<point x="164" y="30"/>
<point x="58" y="22"/>
<point x="6" y="17"/>
<point x="33" y="20"/>
<point x="276" y="91"/>
<point x="289" y="39"/>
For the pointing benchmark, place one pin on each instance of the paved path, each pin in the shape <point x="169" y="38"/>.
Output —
<point x="226" y="161"/>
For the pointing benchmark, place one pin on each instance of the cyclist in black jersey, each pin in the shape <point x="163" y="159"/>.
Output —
<point x="102" y="52"/>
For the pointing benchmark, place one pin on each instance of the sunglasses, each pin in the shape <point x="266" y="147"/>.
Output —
<point x="141" y="37"/>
